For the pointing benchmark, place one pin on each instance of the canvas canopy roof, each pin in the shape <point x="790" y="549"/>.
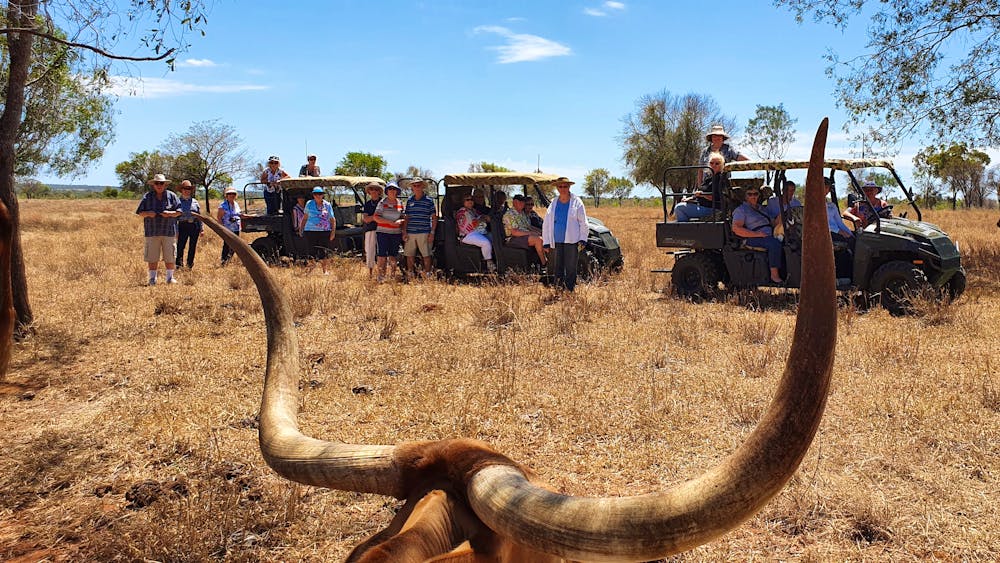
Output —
<point x="499" y="179"/>
<point x="834" y="163"/>
<point x="328" y="181"/>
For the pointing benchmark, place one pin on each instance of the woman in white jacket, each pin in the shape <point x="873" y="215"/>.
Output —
<point x="565" y="226"/>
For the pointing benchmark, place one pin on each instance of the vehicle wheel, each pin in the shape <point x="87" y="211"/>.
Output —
<point x="695" y="275"/>
<point x="956" y="285"/>
<point x="267" y="248"/>
<point x="589" y="266"/>
<point x="897" y="283"/>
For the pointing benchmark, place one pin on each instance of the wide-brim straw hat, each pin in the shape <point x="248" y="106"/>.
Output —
<point x="717" y="130"/>
<point x="158" y="178"/>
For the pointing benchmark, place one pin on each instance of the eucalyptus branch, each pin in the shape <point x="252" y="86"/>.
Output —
<point x="98" y="50"/>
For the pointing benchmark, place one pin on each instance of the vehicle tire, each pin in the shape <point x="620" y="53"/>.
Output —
<point x="956" y="285"/>
<point x="589" y="266"/>
<point x="897" y="283"/>
<point x="267" y="248"/>
<point x="695" y="275"/>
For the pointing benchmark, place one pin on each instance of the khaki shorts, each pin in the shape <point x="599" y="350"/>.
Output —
<point x="417" y="241"/>
<point x="157" y="247"/>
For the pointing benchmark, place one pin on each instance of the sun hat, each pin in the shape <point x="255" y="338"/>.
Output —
<point x="230" y="190"/>
<point x="186" y="185"/>
<point x="158" y="178"/>
<point x="563" y="180"/>
<point x="717" y="130"/>
<point x="273" y="158"/>
<point x="871" y="184"/>
<point x="392" y="186"/>
<point x="319" y="190"/>
<point x="417" y="180"/>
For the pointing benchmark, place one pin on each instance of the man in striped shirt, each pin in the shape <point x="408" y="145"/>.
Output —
<point x="421" y="218"/>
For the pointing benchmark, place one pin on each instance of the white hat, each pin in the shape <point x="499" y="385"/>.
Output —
<point x="717" y="130"/>
<point x="158" y="178"/>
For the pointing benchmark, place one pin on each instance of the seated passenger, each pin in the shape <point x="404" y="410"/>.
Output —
<point x="701" y="204"/>
<point x="533" y="217"/>
<point x="839" y="231"/>
<point x="751" y="222"/>
<point x="773" y="207"/>
<point x="472" y="229"/>
<point x="517" y="230"/>
<point x="864" y="211"/>
<point x="479" y="198"/>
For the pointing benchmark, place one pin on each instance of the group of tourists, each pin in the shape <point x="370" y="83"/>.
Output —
<point x="171" y="225"/>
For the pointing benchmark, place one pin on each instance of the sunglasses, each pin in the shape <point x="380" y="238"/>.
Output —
<point x="468" y="199"/>
<point x="753" y="193"/>
<point x="312" y="159"/>
<point x="159" y="183"/>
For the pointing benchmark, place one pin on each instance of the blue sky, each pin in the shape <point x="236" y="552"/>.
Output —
<point x="440" y="84"/>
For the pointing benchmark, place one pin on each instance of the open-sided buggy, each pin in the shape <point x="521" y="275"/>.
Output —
<point x="601" y="251"/>
<point x="282" y="240"/>
<point x="892" y="258"/>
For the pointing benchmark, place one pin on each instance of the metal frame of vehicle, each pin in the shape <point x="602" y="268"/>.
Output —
<point x="894" y="257"/>
<point x="281" y="239"/>
<point x="601" y="250"/>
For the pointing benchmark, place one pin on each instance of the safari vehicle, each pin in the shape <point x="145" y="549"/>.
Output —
<point x="281" y="239"/>
<point x="601" y="251"/>
<point x="893" y="258"/>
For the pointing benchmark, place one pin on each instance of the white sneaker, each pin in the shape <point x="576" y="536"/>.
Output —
<point x="172" y="280"/>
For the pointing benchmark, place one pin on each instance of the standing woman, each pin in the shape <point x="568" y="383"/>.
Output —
<point x="564" y="228"/>
<point x="374" y="191"/>
<point x="228" y="215"/>
<point x="272" y="191"/>
<point x="188" y="226"/>
<point x="319" y="227"/>
<point x="718" y="143"/>
<point x="390" y="221"/>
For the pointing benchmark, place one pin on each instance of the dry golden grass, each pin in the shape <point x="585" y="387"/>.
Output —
<point x="129" y="428"/>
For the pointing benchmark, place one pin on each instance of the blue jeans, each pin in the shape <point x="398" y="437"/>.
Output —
<point x="567" y="259"/>
<point x="773" y="247"/>
<point x="685" y="211"/>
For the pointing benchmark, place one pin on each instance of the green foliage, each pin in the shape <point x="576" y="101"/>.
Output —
<point x="620" y="188"/>
<point x="109" y="193"/>
<point x="33" y="189"/>
<point x="135" y="173"/>
<point x="363" y="164"/>
<point x="668" y="130"/>
<point x="927" y="63"/>
<point x="770" y="131"/>
<point x="66" y="121"/>
<point x="209" y="153"/>
<point x="595" y="184"/>
<point x="488" y="167"/>
<point x="960" y="168"/>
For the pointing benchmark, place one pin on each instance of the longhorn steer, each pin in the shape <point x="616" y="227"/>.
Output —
<point x="462" y="494"/>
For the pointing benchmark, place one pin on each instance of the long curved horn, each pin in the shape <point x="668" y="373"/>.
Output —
<point x="349" y="467"/>
<point x="694" y="512"/>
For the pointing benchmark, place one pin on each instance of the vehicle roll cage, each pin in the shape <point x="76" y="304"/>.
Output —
<point x="847" y="166"/>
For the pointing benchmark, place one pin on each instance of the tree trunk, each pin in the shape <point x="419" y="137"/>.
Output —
<point x="21" y="14"/>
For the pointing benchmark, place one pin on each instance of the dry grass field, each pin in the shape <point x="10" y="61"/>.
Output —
<point x="128" y="421"/>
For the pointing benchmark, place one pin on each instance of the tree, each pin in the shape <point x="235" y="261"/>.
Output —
<point x="135" y="173"/>
<point x="363" y="164"/>
<point x="927" y="63"/>
<point x="487" y="167"/>
<point x="769" y="133"/>
<point x="414" y="172"/>
<point x="209" y="154"/>
<point x="668" y="130"/>
<point x="620" y="188"/>
<point x="960" y="168"/>
<point x="98" y="28"/>
<point x="33" y="189"/>
<point x="595" y="184"/>
<point x="67" y="121"/>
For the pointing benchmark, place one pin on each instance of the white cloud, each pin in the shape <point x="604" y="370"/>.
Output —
<point x="127" y="86"/>
<point x="522" y="47"/>
<point x="602" y="11"/>
<point x="198" y="63"/>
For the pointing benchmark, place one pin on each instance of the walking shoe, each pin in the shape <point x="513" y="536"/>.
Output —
<point x="152" y="282"/>
<point x="172" y="280"/>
